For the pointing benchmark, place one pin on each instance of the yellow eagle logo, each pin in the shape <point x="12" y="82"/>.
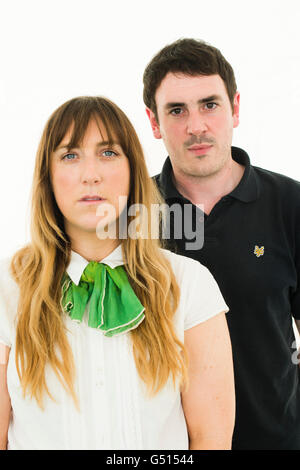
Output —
<point x="259" y="251"/>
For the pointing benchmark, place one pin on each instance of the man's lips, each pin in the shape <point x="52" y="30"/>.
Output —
<point x="200" y="149"/>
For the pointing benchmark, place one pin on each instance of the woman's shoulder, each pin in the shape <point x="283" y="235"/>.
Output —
<point x="184" y="266"/>
<point x="9" y="295"/>
<point x="7" y="282"/>
<point x="200" y="296"/>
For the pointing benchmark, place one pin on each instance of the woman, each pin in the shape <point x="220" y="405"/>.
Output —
<point x="108" y="341"/>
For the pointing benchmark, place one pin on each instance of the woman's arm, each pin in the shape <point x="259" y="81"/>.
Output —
<point x="209" y="401"/>
<point x="5" y="406"/>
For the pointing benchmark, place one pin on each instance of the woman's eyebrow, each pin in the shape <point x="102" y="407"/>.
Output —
<point x="98" y="144"/>
<point x="63" y="147"/>
<point x="107" y="142"/>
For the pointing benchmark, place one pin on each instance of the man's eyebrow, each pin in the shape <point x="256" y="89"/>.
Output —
<point x="201" y="101"/>
<point x="173" y="105"/>
<point x="210" y="98"/>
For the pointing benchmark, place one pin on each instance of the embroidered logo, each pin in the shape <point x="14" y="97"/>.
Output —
<point x="259" y="251"/>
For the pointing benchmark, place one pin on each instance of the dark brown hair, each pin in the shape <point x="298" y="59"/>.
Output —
<point x="189" y="57"/>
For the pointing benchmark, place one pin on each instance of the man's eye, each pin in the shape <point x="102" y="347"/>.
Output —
<point x="69" y="156"/>
<point x="109" y="153"/>
<point x="211" y="105"/>
<point x="176" y="111"/>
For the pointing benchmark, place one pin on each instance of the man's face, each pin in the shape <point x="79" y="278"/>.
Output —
<point x="195" y="121"/>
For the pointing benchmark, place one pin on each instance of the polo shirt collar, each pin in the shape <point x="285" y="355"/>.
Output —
<point x="166" y="183"/>
<point x="246" y="191"/>
<point x="78" y="264"/>
<point x="248" y="188"/>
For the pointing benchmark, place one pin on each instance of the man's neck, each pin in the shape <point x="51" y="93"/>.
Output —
<point x="208" y="190"/>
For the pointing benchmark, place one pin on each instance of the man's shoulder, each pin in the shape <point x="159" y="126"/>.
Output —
<point x="278" y="181"/>
<point x="161" y="185"/>
<point x="156" y="178"/>
<point x="162" y="179"/>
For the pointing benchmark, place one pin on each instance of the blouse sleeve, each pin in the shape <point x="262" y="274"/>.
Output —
<point x="8" y="304"/>
<point x="203" y="298"/>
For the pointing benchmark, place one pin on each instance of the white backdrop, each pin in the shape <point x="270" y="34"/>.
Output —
<point x="53" y="50"/>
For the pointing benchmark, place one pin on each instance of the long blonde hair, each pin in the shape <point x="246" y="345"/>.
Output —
<point x="38" y="268"/>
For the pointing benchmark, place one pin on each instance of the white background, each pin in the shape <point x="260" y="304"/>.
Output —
<point x="53" y="50"/>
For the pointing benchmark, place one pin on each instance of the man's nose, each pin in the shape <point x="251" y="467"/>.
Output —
<point x="196" y="124"/>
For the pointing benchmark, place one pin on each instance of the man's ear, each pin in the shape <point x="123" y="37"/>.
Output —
<point x="153" y="123"/>
<point x="236" y="109"/>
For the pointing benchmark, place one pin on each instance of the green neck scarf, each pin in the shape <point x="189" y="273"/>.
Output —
<point x="113" y="306"/>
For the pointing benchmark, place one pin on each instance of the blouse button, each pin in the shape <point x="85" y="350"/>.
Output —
<point x="99" y="383"/>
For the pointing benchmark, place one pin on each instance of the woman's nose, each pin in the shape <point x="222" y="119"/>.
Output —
<point x="91" y="172"/>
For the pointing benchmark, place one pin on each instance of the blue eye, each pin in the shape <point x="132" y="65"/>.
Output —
<point x="109" y="153"/>
<point x="69" y="156"/>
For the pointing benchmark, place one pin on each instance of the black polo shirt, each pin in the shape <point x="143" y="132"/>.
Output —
<point x="252" y="247"/>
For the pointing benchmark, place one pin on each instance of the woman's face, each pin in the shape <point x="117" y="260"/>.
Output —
<point x="94" y="176"/>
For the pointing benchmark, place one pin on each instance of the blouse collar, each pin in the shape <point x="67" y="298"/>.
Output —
<point x="78" y="264"/>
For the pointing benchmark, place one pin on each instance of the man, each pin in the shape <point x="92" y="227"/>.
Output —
<point x="251" y="232"/>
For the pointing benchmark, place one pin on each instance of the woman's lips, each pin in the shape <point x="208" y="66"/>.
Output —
<point x="91" y="200"/>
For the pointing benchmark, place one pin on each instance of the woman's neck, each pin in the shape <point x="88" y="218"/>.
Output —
<point x="92" y="248"/>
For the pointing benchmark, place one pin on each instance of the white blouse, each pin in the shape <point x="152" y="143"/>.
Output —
<point x="115" y="411"/>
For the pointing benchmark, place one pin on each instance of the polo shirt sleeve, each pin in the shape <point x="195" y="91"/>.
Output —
<point x="295" y="294"/>
<point x="295" y="297"/>
<point x="203" y="296"/>
<point x="8" y="304"/>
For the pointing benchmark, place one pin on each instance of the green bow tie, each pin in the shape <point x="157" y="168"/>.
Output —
<point x="113" y="305"/>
